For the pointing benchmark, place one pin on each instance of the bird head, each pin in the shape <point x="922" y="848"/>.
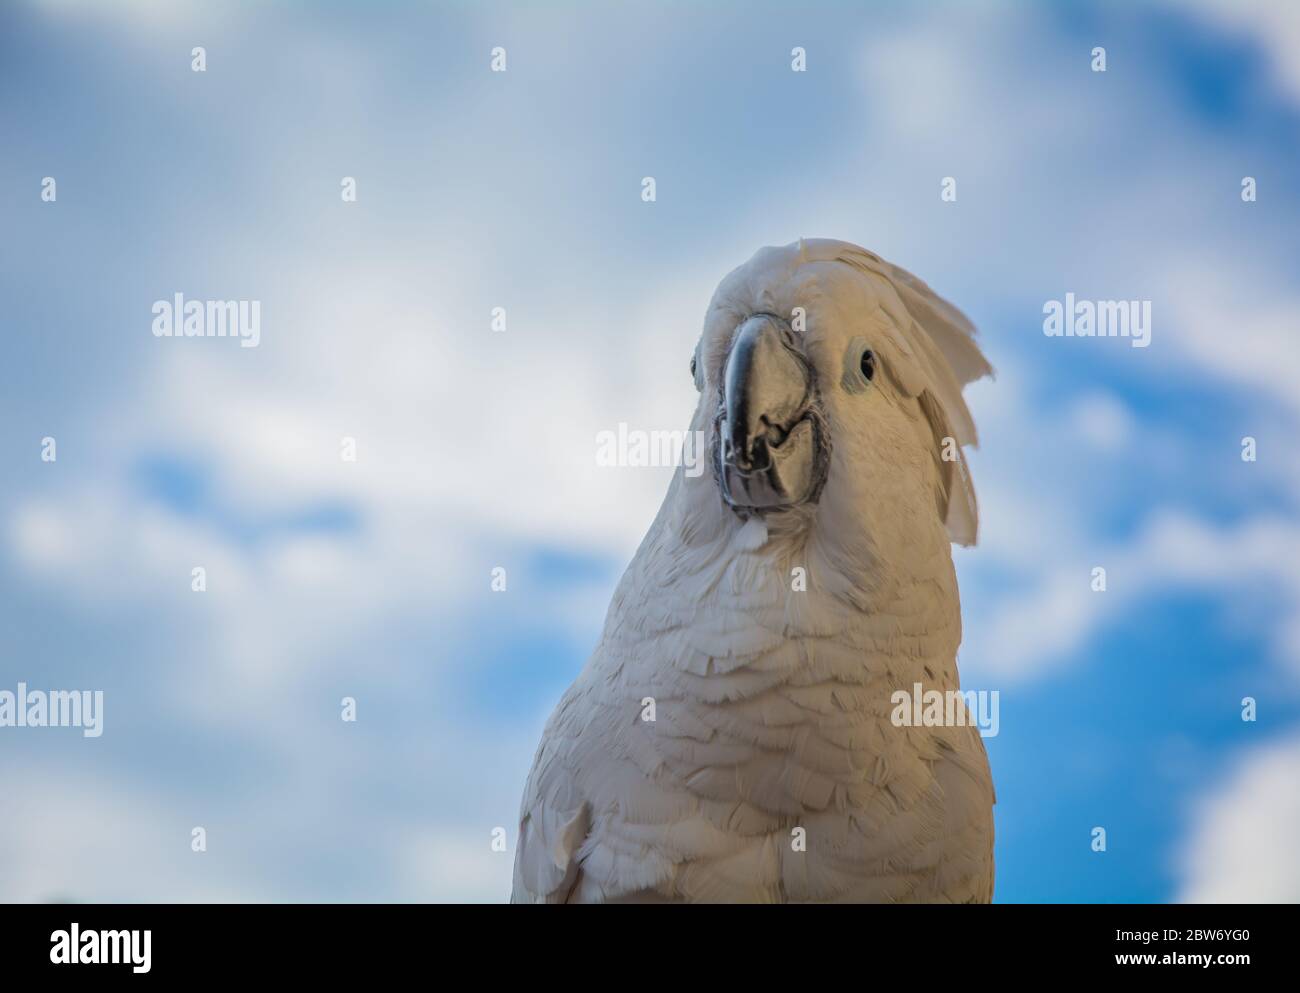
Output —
<point x="831" y="392"/>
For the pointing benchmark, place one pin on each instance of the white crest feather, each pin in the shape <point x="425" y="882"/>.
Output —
<point x="941" y="339"/>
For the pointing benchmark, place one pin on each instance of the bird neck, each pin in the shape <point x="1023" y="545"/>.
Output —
<point x="894" y="609"/>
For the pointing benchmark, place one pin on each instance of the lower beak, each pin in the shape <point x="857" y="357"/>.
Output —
<point x="769" y="440"/>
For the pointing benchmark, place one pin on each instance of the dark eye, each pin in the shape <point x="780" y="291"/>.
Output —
<point x="868" y="364"/>
<point x="692" y="367"/>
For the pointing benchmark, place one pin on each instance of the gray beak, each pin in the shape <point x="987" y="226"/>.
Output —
<point x="770" y="452"/>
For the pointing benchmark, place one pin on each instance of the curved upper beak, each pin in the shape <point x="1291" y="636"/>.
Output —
<point x="768" y="447"/>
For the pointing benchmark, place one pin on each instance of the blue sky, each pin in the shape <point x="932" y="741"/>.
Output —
<point x="476" y="449"/>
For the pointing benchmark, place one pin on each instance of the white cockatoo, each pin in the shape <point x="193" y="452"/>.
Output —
<point x="734" y="736"/>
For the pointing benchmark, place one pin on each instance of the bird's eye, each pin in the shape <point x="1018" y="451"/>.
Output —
<point x="860" y="364"/>
<point x="692" y="367"/>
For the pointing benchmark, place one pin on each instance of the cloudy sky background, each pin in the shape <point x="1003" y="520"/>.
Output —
<point x="475" y="449"/>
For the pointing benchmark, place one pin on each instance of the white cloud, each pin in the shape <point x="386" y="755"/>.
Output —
<point x="1102" y="422"/>
<point x="459" y="868"/>
<point x="1242" y="844"/>
<point x="90" y="839"/>
<point x="1272" y="25"/>
<point x="1034" y="630"/>
<point x="1233" y="319"/>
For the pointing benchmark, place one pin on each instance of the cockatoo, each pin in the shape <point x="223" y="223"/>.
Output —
<point x="734" y="736"/>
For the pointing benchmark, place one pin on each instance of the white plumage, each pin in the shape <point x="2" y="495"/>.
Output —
<point x="772" y="703"/>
